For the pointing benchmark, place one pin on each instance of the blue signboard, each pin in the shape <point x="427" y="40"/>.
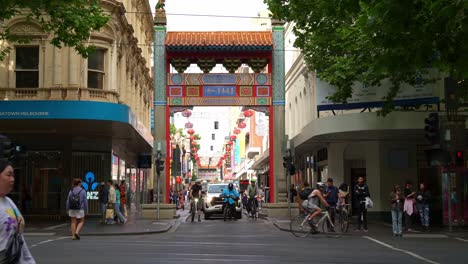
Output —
<point x="219" y="91"/>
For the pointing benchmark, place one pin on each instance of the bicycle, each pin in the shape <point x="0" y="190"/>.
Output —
<point x="343" y="217"/>
<point x="299" y="226"/>
<point x="254" y="208"/>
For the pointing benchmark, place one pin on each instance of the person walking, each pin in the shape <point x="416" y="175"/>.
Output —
<point x="396" y="208"/>
<point x="361" y="191"/>
<point x="110" y="200"/>
<point x="77" y="207"/>
<point x="123" y="198"/>
<point x="103" y="196"/>
<point x="409" y="206"/>
<point x="120" y="218"/>
<point x="423" y="196"/>
<point x="11" y="221"/>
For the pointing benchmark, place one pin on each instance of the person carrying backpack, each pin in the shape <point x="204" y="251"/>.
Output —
<point x="77" y="207"/>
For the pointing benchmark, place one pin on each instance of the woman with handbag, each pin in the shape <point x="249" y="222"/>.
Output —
<point x="13" y="248"/>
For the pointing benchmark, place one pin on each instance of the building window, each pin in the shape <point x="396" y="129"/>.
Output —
<point x="96" y="69"/>
<point x="211" y="148"/>
<point x="27" y="67"/>
<point x="213" y="137"/>
<point x="216" y="125"/>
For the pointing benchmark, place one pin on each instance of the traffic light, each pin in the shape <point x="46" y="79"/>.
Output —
<point x="459" y="158"/>
<point x="7" y="148"/>
<point x="159" y="166"/>
<point x="432" y="129"/>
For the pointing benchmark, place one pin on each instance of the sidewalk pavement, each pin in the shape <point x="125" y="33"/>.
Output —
<point x="382" y="229"/>
<point x="135" y="226"/>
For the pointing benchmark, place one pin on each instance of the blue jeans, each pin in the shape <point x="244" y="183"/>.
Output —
<point x="103" y="211"/>
<point x="397" y="215"/>
<point x="119" y="214"/>
<point x="424" y="214"/>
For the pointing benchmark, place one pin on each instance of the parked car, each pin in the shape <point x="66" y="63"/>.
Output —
<point x="213" y="204"/>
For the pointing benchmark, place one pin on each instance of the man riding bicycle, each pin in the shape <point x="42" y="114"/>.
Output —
<point x="311" y="205"/>
<point x="196" y="193"/>
<point x="252" y="191"/>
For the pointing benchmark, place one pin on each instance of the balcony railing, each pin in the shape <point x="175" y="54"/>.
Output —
<point x="59" y="93"/>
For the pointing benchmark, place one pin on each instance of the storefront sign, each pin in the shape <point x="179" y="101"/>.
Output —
<point x="370" y="96"/>
<point x="90" y="185"/>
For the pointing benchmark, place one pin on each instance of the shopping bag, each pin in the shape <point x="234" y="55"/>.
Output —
<point x="110" y="213"/>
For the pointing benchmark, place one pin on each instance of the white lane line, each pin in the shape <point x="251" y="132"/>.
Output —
<point x="48" y="241"/>
<point x="39" y="234"/>
<point x="401" y="250"/>
<point x="461" y="239"/>
<point x="212" y="260"/>
<point x="56" y="226"/>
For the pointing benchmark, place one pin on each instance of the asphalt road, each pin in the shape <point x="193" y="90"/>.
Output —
<point x="215" y="241"/>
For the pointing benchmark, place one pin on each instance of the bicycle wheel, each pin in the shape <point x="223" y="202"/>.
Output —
<point x="344" y="222"/>
<point x="254" y="210"/>
<point x="299" y="226"/>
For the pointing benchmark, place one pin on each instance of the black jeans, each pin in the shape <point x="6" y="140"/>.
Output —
<point x="362" y="216"/>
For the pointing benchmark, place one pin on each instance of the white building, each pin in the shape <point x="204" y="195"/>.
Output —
<point x="332" y="141"/>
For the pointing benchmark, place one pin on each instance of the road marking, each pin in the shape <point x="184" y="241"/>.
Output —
<point x="401" y="250"/>
<point x="48" y="241"/>
<point x="217" y="260"/>
<point x="39" y="234"/>
<point x="461" y="239"/>
<point x="425" y="236"/>
<point x="56" y="226"/>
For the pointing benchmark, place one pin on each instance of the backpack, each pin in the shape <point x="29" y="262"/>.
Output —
<point x="304" y="194"/>
<point x="74" y="202"/>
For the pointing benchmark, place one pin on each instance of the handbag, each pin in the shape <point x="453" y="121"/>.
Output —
<point x="12" y="252"/>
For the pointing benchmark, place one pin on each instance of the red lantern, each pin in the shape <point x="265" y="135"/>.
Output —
<point x="194" y="150"/>
<point x="236" y="131"/>
<point x="186" y="113"/>
<point x="241" y="125"/>
<point x="191" y="131"/>
<point x="194" y="143"/>
<point x="248" y="113"/>
<point x="233" y="137"/>
<point x="230" y="143"/>
<point x="188" y="125"/>
<point x="192" y="137"/>
<point x="228" y="148"/>
<point x="178" y="180"/>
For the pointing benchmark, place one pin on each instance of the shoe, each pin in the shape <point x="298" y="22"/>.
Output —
<point x="125" y="221"/>
<point x="365" y="230"/>
<point x="77" y="236"/>
<point x="357" y="230"/>
<point x="74" y="238"/>
<point x="332" y="230"/>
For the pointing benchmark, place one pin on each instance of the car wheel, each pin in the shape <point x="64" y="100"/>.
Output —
<point x="207" y="216"/>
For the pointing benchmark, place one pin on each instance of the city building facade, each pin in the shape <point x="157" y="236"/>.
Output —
<point x="347" y="141"/>
<point x="78" y="117"/>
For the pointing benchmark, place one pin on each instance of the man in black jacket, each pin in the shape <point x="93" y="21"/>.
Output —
<point x="361" y="191"/>
<point x="103" y="196"/>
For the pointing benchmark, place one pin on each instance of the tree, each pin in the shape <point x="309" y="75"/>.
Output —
<point x="348" y="41"/>
<point x="70" y="21"/>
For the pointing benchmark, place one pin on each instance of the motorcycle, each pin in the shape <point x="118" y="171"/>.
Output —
<point x="229" y="210"/>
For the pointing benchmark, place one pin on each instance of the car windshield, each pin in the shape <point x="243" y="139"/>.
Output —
<point x="216" y="188"/>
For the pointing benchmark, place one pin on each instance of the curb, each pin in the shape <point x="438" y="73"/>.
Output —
<point x="130" y="233"/>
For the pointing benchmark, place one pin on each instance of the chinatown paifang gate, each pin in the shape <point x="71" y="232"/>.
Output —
<point x="262" y="91"/>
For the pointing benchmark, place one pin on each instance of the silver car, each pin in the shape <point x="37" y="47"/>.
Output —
<point x="213" y="204"/>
